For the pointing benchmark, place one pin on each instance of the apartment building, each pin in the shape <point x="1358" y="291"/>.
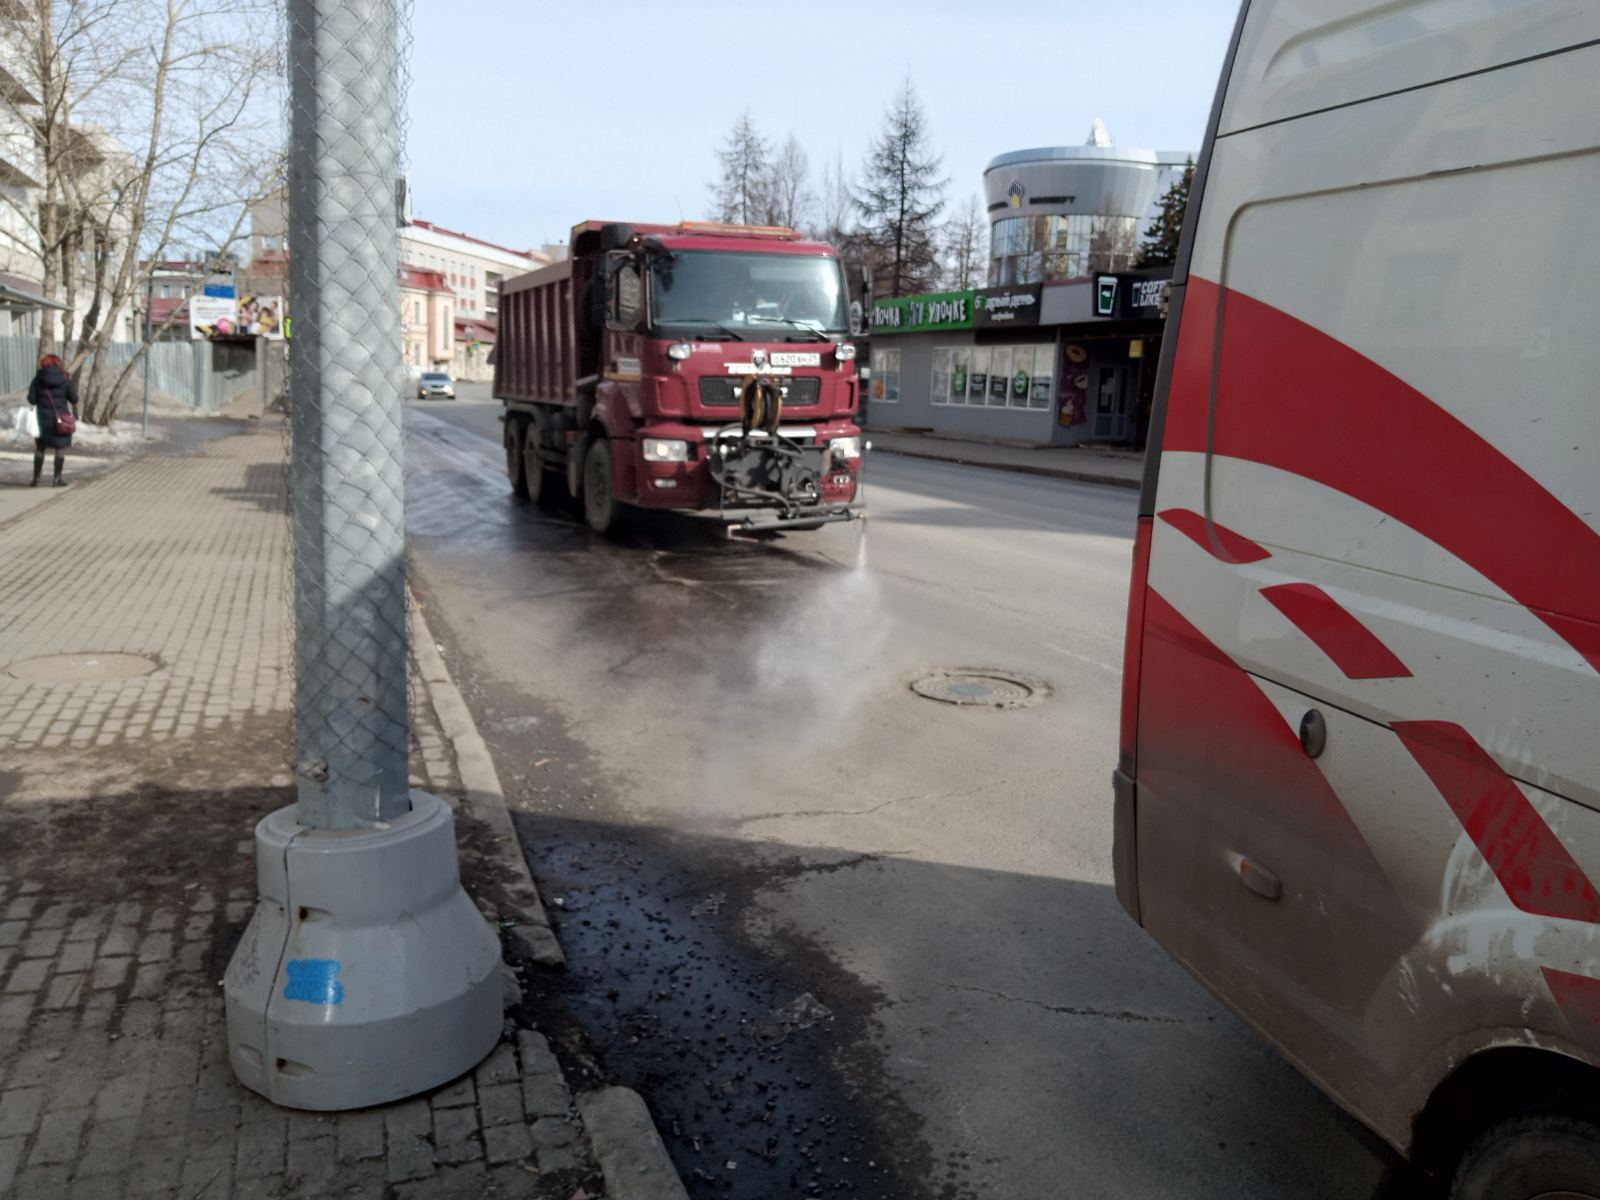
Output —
<point x="473" y="268"/>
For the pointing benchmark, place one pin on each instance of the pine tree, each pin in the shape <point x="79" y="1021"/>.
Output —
<point x="1160" y="247"/>
<point x="743" y="191"/>
<point x="900" y="196"/>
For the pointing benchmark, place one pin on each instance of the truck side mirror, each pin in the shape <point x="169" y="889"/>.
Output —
<point x="857" y="324"/>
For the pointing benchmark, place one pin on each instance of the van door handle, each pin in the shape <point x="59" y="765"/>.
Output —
<point x="1256" y="877"/>
<point x="1313" y="733"/>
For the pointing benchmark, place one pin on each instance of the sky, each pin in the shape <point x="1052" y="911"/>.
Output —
<point x="527" y="116"/>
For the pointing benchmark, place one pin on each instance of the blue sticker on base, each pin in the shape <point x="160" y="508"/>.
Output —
<point x="314" y="980"/>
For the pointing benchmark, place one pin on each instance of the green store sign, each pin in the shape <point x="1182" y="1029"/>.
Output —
<point x="919" y="314"/>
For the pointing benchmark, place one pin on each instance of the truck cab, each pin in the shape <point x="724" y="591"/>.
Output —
<point x="630" y="373"/>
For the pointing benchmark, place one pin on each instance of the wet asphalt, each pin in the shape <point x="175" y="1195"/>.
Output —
<point x="846" y="940"/>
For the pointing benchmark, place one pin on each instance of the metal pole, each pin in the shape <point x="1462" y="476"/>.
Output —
<point x="366" y="974"/>
<point x="346" y="475"/>
<point x="149" y="295"/>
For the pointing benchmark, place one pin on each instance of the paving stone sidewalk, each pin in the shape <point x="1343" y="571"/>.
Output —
<point x="126" y="869"/>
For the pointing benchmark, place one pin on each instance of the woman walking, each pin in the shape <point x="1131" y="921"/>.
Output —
<point x="53" y="397"/>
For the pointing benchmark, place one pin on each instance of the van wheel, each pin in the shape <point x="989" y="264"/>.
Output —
<point x="1539" y="1156"/>
<point x="599" y="504"/>
<point x="519" y="483"/>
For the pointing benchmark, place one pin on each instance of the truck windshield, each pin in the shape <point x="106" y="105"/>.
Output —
<point x="793" y="296"/>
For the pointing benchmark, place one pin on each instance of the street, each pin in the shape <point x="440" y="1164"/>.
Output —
<point x="842" y="936"/>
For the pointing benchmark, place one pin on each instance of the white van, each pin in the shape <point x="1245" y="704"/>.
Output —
<point x="1359" y="786"/>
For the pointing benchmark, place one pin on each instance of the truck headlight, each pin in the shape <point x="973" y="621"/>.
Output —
<point x="844" y="351"/>
<point x="665" y="450"/>
<point x="845" y="448"/>
<point x="679" y="351"/>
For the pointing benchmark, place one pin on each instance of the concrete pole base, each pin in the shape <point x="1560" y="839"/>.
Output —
<point x="366" y="974"/>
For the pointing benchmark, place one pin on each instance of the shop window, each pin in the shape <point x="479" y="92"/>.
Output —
<point x="1021" y="377"/>
<point x="978" y="377"/>
<point x="960" y="364"/>
<point x="940" y="392"/>
<point x="1031" y="376"/>
<point x="1039" y="389"/>
<point x="999" y="375"/>
<point x="886" y="376"/>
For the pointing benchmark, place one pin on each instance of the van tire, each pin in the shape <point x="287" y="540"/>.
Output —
<point x="1529" y="1156"/>
<point x="599" y="499"/>
<point x="519" y="483"/>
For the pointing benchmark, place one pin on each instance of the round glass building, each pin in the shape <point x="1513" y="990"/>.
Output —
<point x="1067" y="212"/>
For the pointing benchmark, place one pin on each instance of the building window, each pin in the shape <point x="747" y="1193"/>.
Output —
<point x="999" y="376"/>
<point x="960" y="366"/>
<point x="1018" y="377"/>
<point x="1041" y="386"/>
<point x="1033" y="249"/>
<point x="886" y="376"/>
<point x="978" y="377"/>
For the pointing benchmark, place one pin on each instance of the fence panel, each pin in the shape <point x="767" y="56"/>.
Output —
<point x="224" y="373"/>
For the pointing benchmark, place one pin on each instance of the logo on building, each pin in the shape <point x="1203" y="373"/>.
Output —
<point x="1015" y="194"/>
<point x="1105" y="296"/>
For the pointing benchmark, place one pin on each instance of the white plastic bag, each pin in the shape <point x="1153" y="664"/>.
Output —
<point x="27" y="421"/>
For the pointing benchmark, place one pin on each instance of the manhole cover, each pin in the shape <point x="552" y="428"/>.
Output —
<point x="81" y="668"/>
<point x="981" y="688"/>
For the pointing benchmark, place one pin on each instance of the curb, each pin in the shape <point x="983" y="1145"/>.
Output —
<point x="483" y="798"/>
<point x="1020" y="468"/>
<point x="625" y="1141"/>
<point x="621" y="1133"/>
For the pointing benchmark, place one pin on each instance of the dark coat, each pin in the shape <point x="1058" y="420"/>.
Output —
<point x="52" y="384"/>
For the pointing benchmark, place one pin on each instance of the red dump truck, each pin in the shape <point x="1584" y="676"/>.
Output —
<point x="698" y="367"/>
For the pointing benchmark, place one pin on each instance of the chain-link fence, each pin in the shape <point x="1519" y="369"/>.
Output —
<point x="346" y="410"/>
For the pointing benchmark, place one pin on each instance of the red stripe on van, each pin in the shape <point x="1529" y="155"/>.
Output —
<point x="1529" y="860"/>
<point x="1578" y="994"/>
<point x="1354" y="648"/>
<point x="1206" y="729"/>
<point x="1291" y="397"/>
<point x="1219" y="542"/>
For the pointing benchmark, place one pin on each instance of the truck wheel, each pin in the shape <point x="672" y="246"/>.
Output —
<point x="1539" y="1156"/>
<point x="599" y="505"/>
<point x="519" y="483"/>
<point x="535" y="485"/>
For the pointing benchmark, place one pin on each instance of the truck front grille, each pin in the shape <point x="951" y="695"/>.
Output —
<point x="722" y="391"/>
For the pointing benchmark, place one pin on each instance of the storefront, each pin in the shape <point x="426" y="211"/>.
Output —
<point x="1051" y="364"/>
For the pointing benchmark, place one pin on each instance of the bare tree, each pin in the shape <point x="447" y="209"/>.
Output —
<point x="153" y="125"/>
<point x="740" y="193"/>
<point x="900" y="196"/>
<point x="966" y="247"/>
<point x="789" y="195"/>
<point x="835" y="207"/>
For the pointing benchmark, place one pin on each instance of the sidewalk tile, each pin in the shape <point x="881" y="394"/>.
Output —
<point x="20" y="1109"/>
<point x="361" y="1135"/>
<point x="58" y="1138"/>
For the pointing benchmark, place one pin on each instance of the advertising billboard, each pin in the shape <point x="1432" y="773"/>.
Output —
<point x="211" y="316"/>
